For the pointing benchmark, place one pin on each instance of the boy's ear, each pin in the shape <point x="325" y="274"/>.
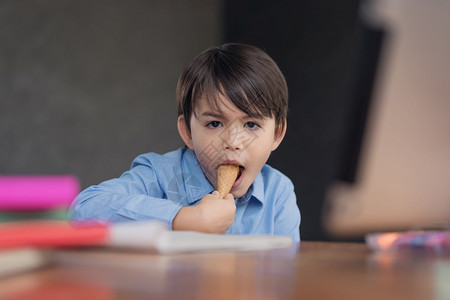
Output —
<point x="280" y="132"/>
<point x="184" y="131"/>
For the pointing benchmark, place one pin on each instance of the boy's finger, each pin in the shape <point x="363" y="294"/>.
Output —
<point x="229" y="197"/>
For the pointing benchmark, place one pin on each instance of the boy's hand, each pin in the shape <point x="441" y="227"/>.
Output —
<point x="212" y="215"/>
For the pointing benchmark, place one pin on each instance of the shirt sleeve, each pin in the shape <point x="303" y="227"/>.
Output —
<point x="136" y="195"/>
<point x="287" y="218"/>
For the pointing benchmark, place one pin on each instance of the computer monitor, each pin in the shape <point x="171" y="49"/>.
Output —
<point x="396" y="166"/>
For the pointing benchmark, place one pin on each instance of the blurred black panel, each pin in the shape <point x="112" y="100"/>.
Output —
<point x="312" y="41"/>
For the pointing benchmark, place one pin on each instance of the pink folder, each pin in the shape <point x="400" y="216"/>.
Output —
<point x="37" y="192"/>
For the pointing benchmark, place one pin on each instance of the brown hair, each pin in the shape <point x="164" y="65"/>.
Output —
<point x="243" y="73"/>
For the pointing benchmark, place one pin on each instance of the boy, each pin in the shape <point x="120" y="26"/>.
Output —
<point x="232" y="107"/>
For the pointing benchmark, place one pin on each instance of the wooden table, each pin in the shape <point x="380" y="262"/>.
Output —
<point x="314" y="270"/>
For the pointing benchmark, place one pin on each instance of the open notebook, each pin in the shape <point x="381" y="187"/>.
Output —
<point x="402" y="178"/>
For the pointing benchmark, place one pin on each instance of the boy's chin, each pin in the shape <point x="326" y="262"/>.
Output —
<point x="238" y="194"/>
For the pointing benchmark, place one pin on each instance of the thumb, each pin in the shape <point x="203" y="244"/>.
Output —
<point x="215" y="193"/>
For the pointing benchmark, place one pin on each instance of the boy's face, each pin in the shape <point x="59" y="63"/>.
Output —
<point x="231" y="137"/>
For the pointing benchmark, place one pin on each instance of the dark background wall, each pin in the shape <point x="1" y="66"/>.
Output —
<point x="85" y="86"/>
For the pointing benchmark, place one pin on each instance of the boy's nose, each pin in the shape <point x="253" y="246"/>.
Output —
<point x="231" y="140"/>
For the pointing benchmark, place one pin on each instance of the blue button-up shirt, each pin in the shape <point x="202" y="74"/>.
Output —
<point x="157" y="186"/>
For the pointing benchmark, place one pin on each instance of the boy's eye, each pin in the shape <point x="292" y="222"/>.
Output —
<point x="251" y="125"/>
<point x="214" y="124"/>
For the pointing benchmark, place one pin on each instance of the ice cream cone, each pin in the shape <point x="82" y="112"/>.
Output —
<point x="226" y="175"/>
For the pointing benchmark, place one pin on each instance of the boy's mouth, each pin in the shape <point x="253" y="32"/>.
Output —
<point x="241" y="169"/>
<point x="238" y="177"/>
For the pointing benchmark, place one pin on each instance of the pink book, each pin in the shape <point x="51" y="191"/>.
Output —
<point x="37" y="192"/>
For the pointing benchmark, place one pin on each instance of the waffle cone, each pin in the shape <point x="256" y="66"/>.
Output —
<point x="226" y="175"/>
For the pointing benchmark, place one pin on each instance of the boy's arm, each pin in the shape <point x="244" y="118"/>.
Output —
<point x="287" y="218"/>
<point x="129" y="197"/>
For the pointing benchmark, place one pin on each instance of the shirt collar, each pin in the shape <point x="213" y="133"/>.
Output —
<point x="197" y="185"/>
<point x="258" y="188"/>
